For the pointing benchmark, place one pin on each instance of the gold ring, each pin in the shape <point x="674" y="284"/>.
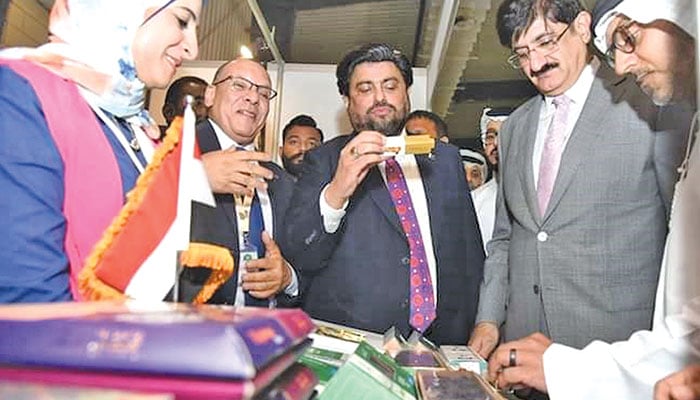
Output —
<point x="512" y="362"/>
<point x="354" y="152"/>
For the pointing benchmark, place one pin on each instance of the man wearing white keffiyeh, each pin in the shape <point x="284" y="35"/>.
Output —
<point x="654" y="40"/>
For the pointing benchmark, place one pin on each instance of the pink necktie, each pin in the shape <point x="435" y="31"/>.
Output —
<point x="551" y="154"/>
<point x="421" y="287"/>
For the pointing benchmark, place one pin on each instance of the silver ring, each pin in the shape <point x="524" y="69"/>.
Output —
<point x="512" y="362"/>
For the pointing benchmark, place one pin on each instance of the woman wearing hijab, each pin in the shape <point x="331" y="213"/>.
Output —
<point x="74" y="135"/>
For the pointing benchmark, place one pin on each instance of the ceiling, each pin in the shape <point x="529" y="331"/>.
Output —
<point x="473" y="71"/>
<point x="473" y="74"/>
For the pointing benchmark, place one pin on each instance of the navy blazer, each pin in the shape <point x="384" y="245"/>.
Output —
<point x="218" y="225"/>
<point x="359" y="275"/>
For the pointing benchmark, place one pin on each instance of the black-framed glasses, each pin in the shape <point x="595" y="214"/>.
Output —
<point x="623" y="40"/>
<point x="544" y="46"/>
<point x="241" y="84"/>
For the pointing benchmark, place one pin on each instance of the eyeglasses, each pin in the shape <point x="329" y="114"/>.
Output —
<point x="490" y="138"/>
<point x="623" y="40"/>
<point x="240" y="84"/>
<point x="544" y="46"/>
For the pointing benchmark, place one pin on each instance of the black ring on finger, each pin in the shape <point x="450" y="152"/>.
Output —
<point x="512" y="362"/>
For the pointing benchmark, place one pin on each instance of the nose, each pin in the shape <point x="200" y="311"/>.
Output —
<point x="305" y="147"/>
<point x="624" y="62"/>
<point x="252" y="95"/>
<point x="190" y="44"/>
<point x="537" y="61"/>
<point x="379" y="95"/>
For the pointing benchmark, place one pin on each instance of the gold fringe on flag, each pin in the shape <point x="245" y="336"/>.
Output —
<point x="216" y="258"/>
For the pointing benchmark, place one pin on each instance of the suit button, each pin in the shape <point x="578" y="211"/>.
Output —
<point x="404" y="304"/>
<point x="405" y="260"/>
<point x="536" y="289"/>
<point x="542" y="236"/>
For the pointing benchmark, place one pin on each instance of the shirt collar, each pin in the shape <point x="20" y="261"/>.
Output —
<point x="578" y="92"/>
<point x="225" y="140"/>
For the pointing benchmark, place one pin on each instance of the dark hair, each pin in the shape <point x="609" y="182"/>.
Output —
<point x="373" y="52"/>
<point x="515" y="16"/>
<point x="440" y="124"/>
<point x="175" y="89"/>
<point x="300" y="120"/>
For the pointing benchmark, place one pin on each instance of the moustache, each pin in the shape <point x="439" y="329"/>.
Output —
<point x="543" y="70"/>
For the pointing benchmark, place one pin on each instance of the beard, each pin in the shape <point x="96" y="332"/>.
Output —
<point x="389" y="126"/>
<point x="294" y="168"/>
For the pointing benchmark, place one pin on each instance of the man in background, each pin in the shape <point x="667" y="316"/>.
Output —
<point x="174" y="103"/>
<point x="576" y="247"/>
<point x="475" y="168"/>
<point x="299" y="136"/>
<point x="490" y="124"/>
<point x="423" y="122"/>
<point x="653" y="40"/>
<point x="485" y="196"/>
<point x="385" y="241"/>
<point x="252" y="193"/>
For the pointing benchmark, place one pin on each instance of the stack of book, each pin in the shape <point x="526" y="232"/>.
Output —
<point x="352" y="363"/>
<point x="190" y="352"/>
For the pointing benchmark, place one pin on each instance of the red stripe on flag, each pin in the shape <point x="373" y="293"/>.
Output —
<point x="145" y="227"/>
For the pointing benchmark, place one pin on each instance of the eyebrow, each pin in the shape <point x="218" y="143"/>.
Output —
<point x="382" y="81"/>
<point x="535" y="40"/>
<point x="194" y="17"/>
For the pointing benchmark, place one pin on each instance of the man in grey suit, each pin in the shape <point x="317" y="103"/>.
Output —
<point x="586" y="180"/>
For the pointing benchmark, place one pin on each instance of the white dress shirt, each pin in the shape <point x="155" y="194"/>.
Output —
<point x="629" y="369"/>
<point x="578" y="93"/>
<point x="226" y="143"/>
<point x="332" y="217"/>
<point x="484" y="199"/>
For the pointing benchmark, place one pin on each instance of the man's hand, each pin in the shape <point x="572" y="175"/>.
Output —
<point x="519" y="363"/>
<point x="484" y="338"/>
<point x="360" y="154"/>
<point x="267" y="276"/>
<point x="236" y="172"/>
<point x="683" y="385"/>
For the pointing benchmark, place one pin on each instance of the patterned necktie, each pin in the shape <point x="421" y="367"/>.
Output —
<point x="256" y="224"/>
<point x="421" y="287"/>
<point x="551" y="154"/>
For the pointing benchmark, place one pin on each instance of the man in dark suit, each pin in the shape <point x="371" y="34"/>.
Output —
<point x="252" y="193"/>
<point x="409" y="257"/>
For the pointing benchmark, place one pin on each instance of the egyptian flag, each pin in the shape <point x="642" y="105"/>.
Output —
<point x="137" y="256"/>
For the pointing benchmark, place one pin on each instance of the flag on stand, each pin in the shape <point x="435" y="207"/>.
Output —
<point x="137" y="255"/>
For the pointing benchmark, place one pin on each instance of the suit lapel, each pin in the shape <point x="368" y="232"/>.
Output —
<point x="526" y="141"/>
<point x="206" y="138"/>
<point x="275" y="191"/>
<point x="379" y="193"/>
<point x="585" y="136"/>
<point x="433" y="193"/>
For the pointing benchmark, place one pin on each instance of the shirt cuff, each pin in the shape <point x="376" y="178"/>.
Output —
<point x="292" y="289"/>
<point x="331" y="216"/>
<point x="557" y="361"/>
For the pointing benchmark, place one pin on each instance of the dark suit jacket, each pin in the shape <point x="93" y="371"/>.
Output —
<point x="359" y="275"/>
<point x="218" y="225"/>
